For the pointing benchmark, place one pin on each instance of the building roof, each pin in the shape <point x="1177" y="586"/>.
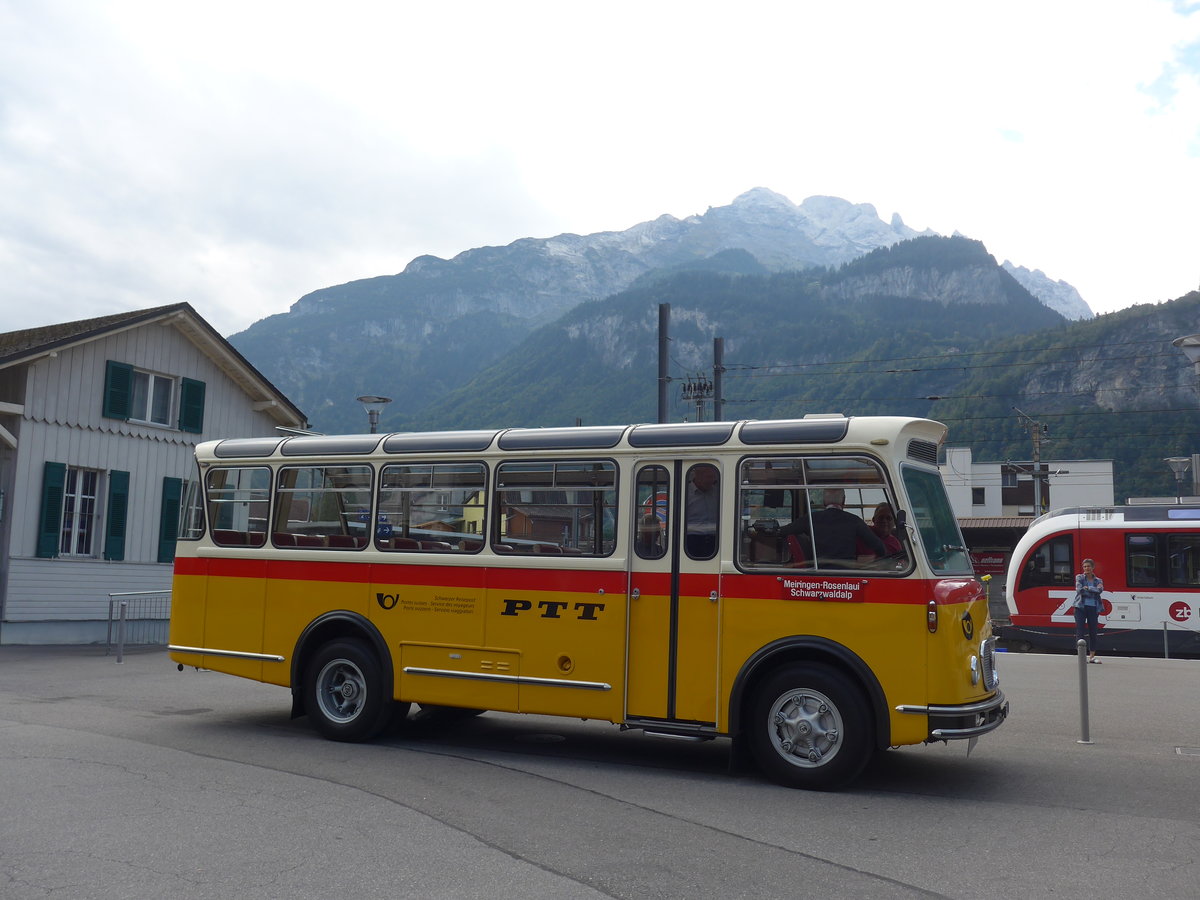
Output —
<point x="17" y="347"/>
<point x="1022" y="522"/>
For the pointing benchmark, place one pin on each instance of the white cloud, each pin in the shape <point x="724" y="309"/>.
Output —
<point x="239" y="155"/>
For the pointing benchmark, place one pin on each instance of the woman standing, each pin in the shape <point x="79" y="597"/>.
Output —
<point x="1088" y="605"/>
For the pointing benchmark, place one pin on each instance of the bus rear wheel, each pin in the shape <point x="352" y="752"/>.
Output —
<point x="809" y="727"/>
<point x="344" y="692"/>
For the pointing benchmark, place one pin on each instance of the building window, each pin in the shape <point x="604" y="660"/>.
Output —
<point x="78" y="512"/>
<point x="138" y="396"/>
<point x="978" y="497"/>
<point x="70" y="512"/>
<point x="151" y="398"/>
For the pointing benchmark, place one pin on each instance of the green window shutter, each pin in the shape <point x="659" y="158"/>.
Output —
<point x="168" y="520"/>
<point x="118" y="385"/>
<point x="118" y="513"/>
<point x="191" y="406"/>
<point x="54" y="480"/>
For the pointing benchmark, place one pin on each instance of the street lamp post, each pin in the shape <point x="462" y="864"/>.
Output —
<point x="1179" y="465"/>
<point x="1190" y="345"/>
<point x="374" y="406"/>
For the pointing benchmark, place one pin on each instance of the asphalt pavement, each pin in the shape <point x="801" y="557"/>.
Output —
<point x="134" y="780"/>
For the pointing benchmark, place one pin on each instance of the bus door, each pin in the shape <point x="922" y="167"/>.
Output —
<point x="674" y="591"/>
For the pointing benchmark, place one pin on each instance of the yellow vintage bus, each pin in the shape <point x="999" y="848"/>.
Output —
<point x="693" y="580"/>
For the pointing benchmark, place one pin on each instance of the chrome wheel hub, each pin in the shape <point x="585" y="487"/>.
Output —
<point x="805" y="728"/>
<point x="341" y="690"/>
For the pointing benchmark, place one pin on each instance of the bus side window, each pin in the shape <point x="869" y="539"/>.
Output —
<point x="561" y="507"/>
<point x="702" y="511"/>
<point x="775" y="528"/>
<point x="431" y="507"/>
<point x="323" y="507"/>
<point x="236" y="498"/>
<point x="653" y="511"/>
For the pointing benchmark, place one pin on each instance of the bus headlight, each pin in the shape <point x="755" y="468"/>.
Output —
<point x="987" y="661"/>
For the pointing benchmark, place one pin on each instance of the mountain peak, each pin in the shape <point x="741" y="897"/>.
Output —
<point x="1058" y="295"/>
<point x="761" y="196"/>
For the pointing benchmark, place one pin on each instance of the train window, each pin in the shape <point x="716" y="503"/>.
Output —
<point x="1052" y="564"/>
<point x="1141" y="560"/>
<point x="1183" y="555"/>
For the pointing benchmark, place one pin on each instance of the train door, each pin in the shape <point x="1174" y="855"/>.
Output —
<point x="674" y="591"/>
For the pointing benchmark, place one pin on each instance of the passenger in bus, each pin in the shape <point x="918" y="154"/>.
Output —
<point x="883" y="523"/>
<point x="703" y="506"/>
<point x="836" y="533"/>
<point x="1088" y="604"/>
<point x="649" y="536"/>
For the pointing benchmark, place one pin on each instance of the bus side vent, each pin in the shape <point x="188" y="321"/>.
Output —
<point x="923" y="451"/>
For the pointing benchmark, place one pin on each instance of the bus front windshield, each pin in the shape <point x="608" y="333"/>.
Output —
<point x="930" y="513"/>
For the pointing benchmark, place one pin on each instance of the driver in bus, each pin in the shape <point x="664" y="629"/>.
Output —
<point x="836" y="533"/>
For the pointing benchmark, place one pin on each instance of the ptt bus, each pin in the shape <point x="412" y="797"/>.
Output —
<point x="1149" y="560"/>
<point x="662" y="577"/>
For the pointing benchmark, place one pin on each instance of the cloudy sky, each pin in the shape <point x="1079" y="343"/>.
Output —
<point x="238" y="155"/>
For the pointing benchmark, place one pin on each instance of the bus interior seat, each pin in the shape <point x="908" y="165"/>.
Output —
<point x="796" y="549"/>
<point x="310" y="540"/>
<point x="439" y="546"/>
<point x="228" y="538"/>
<point x="403" y="543"/>
<point x="346" y="541"/>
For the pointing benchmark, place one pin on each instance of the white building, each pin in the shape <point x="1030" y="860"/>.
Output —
<point x="98" y="423"/>
<point x="994" y="490"/>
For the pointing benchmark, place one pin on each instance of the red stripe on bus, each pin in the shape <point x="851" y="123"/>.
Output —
<point x="502" y="578"/>
<point x="744" y="586"/>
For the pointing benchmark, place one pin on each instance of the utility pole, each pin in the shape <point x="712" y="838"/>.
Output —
<point x="1036" y="431"/>
<point x="718" y="371"/>
<point x="664" y="380"/>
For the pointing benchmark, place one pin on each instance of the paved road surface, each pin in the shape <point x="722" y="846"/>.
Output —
<point x="137" y="781"/>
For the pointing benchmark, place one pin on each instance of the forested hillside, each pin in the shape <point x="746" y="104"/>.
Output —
<point x="784" y="336"/>
<point x="798" y="343"/>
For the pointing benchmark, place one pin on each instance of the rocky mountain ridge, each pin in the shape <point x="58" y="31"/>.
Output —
<point x="1058" y="295"/>
<point x="430" y="328"/>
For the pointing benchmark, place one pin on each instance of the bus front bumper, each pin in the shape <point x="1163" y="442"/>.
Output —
<point x="970" y="720"/>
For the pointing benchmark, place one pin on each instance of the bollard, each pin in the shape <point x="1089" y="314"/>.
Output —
<point x="1081" y="649"/>
<point x="121" y="632"/>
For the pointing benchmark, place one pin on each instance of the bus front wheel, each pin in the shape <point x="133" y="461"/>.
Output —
<point x="344" y="692"/>
<point x="809" y="727"/>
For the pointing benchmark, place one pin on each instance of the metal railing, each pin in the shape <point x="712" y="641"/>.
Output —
<point x="137" y="617"/>
<point x="1166" y="623"/>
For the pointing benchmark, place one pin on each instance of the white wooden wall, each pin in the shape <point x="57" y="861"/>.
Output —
<point x="63" y="422"/>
